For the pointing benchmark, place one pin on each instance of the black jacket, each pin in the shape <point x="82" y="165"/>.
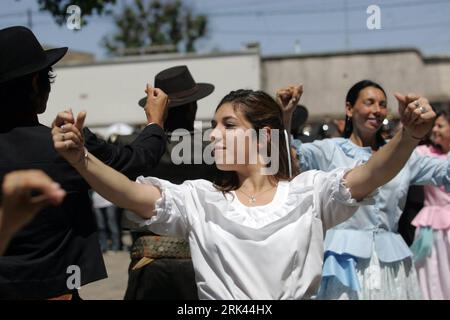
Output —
<point x="195" y="168"/>
<point x="35" y="265"/>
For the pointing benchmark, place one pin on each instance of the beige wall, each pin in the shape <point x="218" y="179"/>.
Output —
<point x="327" y="78"/>
<point x="438" y="81"/>
<point x="109" y="91"/>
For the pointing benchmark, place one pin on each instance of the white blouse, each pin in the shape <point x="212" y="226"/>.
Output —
<point x="274" y="251"/>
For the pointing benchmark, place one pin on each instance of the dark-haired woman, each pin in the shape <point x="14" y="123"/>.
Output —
<point x="365" y="257"/>
<point x="257" y="233"/>
<point x="431" y="246"/>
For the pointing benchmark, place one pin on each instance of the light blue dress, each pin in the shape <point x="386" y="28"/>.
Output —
<point x="352" y="247"/>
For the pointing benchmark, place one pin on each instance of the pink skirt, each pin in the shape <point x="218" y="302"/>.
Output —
<point x="434" y="270"/>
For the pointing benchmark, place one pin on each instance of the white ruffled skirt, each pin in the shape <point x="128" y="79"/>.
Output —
<point x="378" y="281"/>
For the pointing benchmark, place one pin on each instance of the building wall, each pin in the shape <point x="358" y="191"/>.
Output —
<point x="327" y="78"/>
<point x="74" y="57"/>
<point x="109" y="91"/>
<point x="438" y="80"/>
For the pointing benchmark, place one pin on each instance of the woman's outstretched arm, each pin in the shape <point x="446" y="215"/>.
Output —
<point x="111" y="184"/>
<point x="417" y="117"/>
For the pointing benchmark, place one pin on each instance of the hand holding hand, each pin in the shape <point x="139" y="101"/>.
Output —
<point x="68" y="140"/>
<point x="416" y="115"/>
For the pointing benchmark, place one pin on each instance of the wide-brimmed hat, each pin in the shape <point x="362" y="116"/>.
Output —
<point x="22" y="54"/>
<point x="178" y="83"/>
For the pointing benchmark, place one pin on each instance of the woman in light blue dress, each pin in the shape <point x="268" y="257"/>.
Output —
<point x="365" y="257"/>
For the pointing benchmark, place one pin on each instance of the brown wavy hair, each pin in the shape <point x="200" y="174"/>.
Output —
<point x="261" y="110"/>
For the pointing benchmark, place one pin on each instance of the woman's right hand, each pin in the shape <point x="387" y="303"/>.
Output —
<point x="68" y="140"/>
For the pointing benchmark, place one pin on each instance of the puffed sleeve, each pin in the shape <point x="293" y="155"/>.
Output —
<point x="333" y="199"/>
<point x="429" y="170"/>
<point x="171" y="210"/>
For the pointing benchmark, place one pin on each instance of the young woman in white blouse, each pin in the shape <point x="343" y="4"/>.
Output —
<point x="252" y="235"/>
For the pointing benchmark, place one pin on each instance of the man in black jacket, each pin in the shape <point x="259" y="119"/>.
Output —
<point x="161" y="267"/>
<point x="59" y="250"/>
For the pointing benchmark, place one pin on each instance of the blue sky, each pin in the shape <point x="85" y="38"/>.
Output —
<point x="314" y="25"/>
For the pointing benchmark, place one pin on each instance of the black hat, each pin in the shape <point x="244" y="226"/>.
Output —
<point x="178" y="84"/>
<point x="21" y="53"/>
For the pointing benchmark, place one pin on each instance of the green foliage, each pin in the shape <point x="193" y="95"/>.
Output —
<point x="58" y="8"/>
<point x="168" y="25"/>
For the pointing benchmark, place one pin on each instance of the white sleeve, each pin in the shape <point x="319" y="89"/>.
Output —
<point x="333" y="199"/>
<point x="170" y="217"/>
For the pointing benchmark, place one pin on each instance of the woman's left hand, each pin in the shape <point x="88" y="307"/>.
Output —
<point x="416" y="115"/>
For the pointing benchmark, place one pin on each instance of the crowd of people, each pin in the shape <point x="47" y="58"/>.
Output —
<point x="278" y="216"/>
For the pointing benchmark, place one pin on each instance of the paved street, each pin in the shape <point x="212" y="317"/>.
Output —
<point x="112" y="288"/>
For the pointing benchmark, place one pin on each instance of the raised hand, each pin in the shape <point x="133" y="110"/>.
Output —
<point x="63" y="117"/>
<point x="416" y="115"/>
<point x="288" y="99"/>
<point x="68" y="139"/>
<point x="157" y="105"/>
